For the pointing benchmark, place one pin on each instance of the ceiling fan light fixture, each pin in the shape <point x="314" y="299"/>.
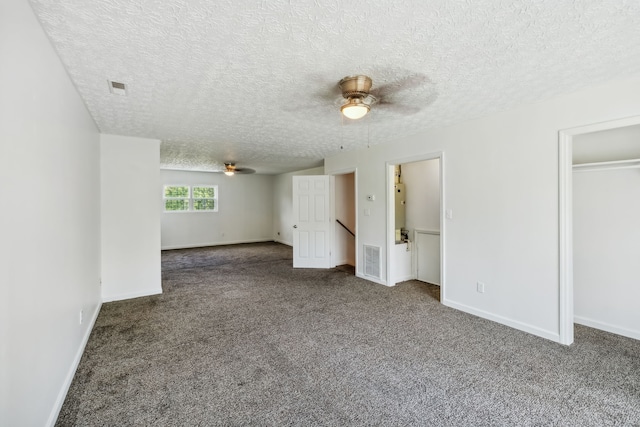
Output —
<point x="354" y="109"/>
<point x="229" y="169"/>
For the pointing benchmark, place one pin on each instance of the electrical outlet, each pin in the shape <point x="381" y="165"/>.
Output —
<point x="480" y="287"/>
<point x="81" y="315"/>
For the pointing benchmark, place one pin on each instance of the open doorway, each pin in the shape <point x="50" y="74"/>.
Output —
<point x="415" y="220"/>
<point x="345" y="225"/>
<point x="599" y="230"/>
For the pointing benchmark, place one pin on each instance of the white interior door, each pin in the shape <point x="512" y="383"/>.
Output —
<point x="312" y="222"/>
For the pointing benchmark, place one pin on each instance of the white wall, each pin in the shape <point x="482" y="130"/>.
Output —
<point x="283" y="204"/>
<point x="501" y="184"/>
<point x="344" y="248"/>
<point x="606" y="239"/>
<point x="245" y="211"/>
<point x="422" y="187"/>
<point x="50" y="223"/>
<point x="130" y="173"/>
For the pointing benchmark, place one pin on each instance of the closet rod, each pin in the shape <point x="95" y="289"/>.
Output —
<point x="618" y="164"/>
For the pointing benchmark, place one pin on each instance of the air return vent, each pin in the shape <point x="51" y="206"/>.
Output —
<point x="372" y="261"/>
<point x="117" y="88"/>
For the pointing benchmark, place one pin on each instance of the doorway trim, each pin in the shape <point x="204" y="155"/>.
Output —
<point x="346" y="171"/>
<point x="565" y="241"/>
<point x="391" y="239"/>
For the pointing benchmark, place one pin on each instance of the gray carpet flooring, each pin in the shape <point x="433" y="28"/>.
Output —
<point x="240" y="338"/>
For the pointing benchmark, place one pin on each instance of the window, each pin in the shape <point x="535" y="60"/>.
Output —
<point x="176" y="198"/>
<point x="205" y="197"/>
<point x="183" y="198"/>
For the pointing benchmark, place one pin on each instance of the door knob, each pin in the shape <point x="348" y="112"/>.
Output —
<point x="295" y="226"/>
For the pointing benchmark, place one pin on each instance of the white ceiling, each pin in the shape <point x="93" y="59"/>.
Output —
<point x="254" y="81"/>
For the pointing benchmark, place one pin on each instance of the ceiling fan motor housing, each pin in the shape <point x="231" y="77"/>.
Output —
<point x="355" y="86"/>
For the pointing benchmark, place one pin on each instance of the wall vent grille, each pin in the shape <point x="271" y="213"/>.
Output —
<point x="372" y="261"/>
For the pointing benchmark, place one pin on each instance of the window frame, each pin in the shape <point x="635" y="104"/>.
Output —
<point x="165" y="198"/>
<point x="214" y="198"/>
<point x="190" y="199"/>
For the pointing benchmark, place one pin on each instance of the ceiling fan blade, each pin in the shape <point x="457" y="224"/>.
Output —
<point x="328" y="90"/>
<point x="245" y="171"/>
<point x="326" y="96"/>
<point x="392" y="107"/>
<point x="316" y="101"/>
<point x="411" y="81"/>
<point x="329" y="93"/>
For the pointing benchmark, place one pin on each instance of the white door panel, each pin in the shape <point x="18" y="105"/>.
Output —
<point x="312" y="226"/>
<point x="428" y="256"/>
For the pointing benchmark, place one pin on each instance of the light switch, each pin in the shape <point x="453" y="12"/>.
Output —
<point x="449" y="213"/>
<point x="367" y="212"/>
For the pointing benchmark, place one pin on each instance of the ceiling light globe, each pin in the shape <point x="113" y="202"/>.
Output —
<point x="354" y="111"/>
<point x="228" y="173"/>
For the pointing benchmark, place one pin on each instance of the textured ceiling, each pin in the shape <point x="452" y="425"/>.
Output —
<point x="254" y="81"/>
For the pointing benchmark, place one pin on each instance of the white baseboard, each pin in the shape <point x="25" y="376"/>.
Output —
<point x="62" y="394"/>
<point x="405" y="278"/>
<point x="371" y="279"/>
<point x="120" y="297"/>
<point x="204" y="245"/>
<point x="283" y="242"/>
<point x="629" y="333"/>
<point x="550" y="335"/>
